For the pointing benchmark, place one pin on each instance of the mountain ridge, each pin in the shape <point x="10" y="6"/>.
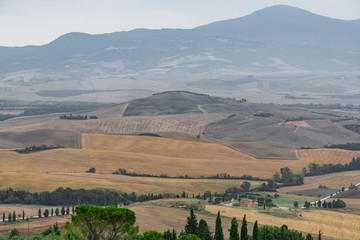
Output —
<point x="276" y="39"/>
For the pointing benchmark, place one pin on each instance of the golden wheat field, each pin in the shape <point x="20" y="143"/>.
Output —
<point x="327" y="156"/>
<point x="36" y="182"/>
<point x="332" y="224"/>
<point x="141" y="154"/>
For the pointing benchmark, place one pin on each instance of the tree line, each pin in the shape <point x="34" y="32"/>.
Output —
<point x="73" y="117"/>
<point x="122" y="171"/>
<point x="70" y="197"/>
<point x="315" y="169"/>
<point x="330" y="204"/>
<point x="37" y="148"/>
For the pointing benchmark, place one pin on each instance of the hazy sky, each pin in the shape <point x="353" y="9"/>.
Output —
<point x="37" y="22"/>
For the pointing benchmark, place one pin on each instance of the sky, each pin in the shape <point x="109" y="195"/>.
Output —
<point x="38" y="22"/>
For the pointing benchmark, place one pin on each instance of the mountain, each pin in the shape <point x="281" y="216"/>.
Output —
<point x="278" y="39"/>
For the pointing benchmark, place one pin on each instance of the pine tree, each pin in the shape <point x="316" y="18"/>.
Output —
<point x="255" y="231"/>
<point x="244" y="231"/>
<point x="191" y="224"/>
<point x="218" y="229"/>
<point x="234" y="232"/>
<point x="39" y="212"/>
<point x="57" y="211"/>
<point x="204" y="230"/>
<point x="14" y="217"/>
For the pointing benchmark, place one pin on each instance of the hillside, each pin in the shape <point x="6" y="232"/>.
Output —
<point x="275" y="50"/>
<point x="261" y="130"/>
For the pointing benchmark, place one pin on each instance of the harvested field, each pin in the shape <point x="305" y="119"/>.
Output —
<point x="206" y="158"/>
<point x="185" y="123"/>
<point x="164" y="218"/>
<point x="11" y="140"/>
<point x="36" y="182"/>
<point x="35" y="226"/>
<point x="334" y="181"/>
<point x="327" y="156"/>
<point x="106" y="162"/>
<point x="332" y="224"/>
<point x="352" y="205"/>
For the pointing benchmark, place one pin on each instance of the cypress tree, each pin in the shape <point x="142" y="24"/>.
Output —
<point x="255" y="235"/>
<point x="46" y="213"/>
<point x="3" y="217"/>
<point x="218" y="229"/>
<point x="309" y="237"/>
<point x="9" y="217"/>
<point x="14" y="216"/>
<point x="23" y="215"/>
<point x="204" y="230"/>
<point x="67" y="210"/>
<point x="52" y="212"/>
<point x="319" y="237"/>
<point x="73" y="209"/>
<point x="244" y="231"/>
<point x="234" y="232"/>
<point x="63" y="211"/>
<point x="57" y="211"/>
<point x="166" y="235"/>
<point x="173" y="235"/>
<point x="39" y="212"/>
<point x="191" y="224"/>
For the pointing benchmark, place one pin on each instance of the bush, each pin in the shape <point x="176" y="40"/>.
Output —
<point x="14" y="233"/>
<point x="91" y="170"/>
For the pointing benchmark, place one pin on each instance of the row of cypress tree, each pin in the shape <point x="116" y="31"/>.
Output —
<point x="201" y="230"/>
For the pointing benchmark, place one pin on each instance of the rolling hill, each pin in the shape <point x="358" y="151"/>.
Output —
<point x="261" y="130"/>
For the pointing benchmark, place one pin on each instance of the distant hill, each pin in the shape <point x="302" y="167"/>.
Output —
<point x="275" y="39"/>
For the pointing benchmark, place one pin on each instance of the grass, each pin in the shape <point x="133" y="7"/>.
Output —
<point x="316" y="192"/>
